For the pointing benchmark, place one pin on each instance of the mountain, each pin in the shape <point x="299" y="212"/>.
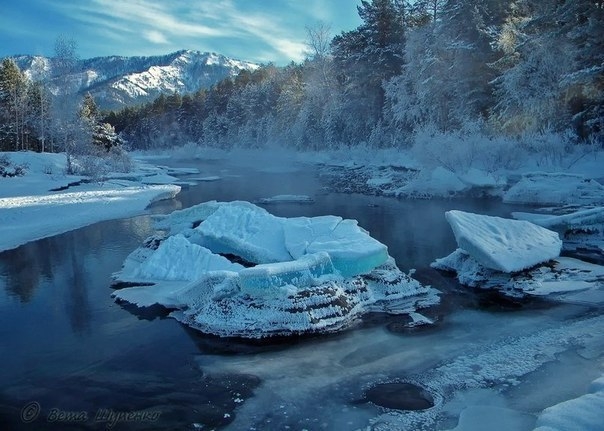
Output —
<point x="116" y="82"/>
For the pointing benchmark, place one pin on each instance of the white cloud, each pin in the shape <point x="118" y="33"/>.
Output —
<point x="244" y="29"/>
<point x="155" y="37"/>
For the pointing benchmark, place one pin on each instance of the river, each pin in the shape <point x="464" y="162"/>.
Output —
<point x="70" y="356"/>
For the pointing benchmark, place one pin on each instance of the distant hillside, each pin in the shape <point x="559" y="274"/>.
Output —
<point x="117" y="82"/>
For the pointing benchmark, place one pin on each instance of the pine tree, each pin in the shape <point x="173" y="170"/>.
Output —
<point x="367" y="57"/>
<point x="13" y="96"/>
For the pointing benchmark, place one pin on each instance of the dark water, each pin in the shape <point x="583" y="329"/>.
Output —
<point x="67" y="349"/>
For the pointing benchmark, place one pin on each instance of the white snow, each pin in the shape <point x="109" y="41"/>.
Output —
<point x="503" y="244"/>
<point x="584" y="413"/>
<point x="555" y="189"/>
<point x="479" y="178"/>
<point x="439" y="182"/>
<point x="576" y="219"/>
<point x="30" y="211"/>
<point x="313" y="274"/>
<point x="564" y="279"/>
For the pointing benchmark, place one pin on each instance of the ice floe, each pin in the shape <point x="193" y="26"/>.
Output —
<point x="302" y="274"/>
<point x="518" y="259"/>
<point x="555" y="189"/>
<point x="503" y="244"/>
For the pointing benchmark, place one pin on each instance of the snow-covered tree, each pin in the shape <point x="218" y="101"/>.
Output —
<point x="365" y="58"/>
<point x="552" y="69"/>
<point x="447" y="80"/>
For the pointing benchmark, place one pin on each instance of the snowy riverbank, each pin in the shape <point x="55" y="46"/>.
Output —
<point x="45" y="201"/>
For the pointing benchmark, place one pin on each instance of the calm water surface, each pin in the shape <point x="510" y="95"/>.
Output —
<point x="66" y="347"/>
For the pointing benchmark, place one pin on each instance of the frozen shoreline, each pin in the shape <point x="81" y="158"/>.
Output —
<point x="30" y="210"/>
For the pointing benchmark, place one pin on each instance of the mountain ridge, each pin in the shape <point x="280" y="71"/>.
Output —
<point x="117" y="82"/>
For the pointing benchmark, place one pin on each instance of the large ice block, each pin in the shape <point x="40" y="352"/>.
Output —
<point x="245" y="230"/>
<point x="503" y="244"/>
<point x="352" y="250"/>
<point x="178" y="259"/>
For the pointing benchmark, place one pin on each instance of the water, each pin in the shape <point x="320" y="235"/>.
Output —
<point x="67" y="346"/>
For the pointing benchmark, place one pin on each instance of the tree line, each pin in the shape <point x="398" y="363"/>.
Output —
<point x="506" y="68"/>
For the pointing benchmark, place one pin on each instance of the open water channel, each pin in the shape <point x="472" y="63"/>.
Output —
<point x="72" y="358"/>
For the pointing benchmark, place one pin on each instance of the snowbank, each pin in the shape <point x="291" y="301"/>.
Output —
<point x="555" y="189"/>
<point x="439" y="182"/>
<point x="579" y="414"/>
<point x="307" y="275"/>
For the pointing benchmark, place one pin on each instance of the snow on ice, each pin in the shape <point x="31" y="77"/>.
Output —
<point x="580" y="414"/>
<point x="304" y="274"/>
<point x="582" y="230"/>
<point x="46" y="201"/>
<point x="503" y="244"/>
<point x="518" y="258"/>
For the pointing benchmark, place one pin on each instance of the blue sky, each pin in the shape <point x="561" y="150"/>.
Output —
<point x="255" y="30"/>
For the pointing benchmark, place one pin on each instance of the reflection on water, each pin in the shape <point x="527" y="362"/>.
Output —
<point x="67" y="345"/>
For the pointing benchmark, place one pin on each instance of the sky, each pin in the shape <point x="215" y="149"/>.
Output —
<point x="254" y="30"/>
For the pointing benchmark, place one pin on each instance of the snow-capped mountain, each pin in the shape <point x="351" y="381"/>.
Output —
<point x="116" y="82"/>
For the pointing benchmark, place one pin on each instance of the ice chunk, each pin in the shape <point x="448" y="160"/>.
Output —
<point x="300" y="272"/>
<point x="250" y="232"/>
<point x="564" y="279"/>
<point x="300" y="232"/>
<point x="352" y="250"/>
<point x="187" y="218"/>
<point x="245" y="230"/>
<point x="503" y="244"/>
<point x="554" y="189"/>
<point x="177" y="259"/>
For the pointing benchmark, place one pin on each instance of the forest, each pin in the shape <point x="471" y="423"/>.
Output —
<point x="513" y="69"/>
